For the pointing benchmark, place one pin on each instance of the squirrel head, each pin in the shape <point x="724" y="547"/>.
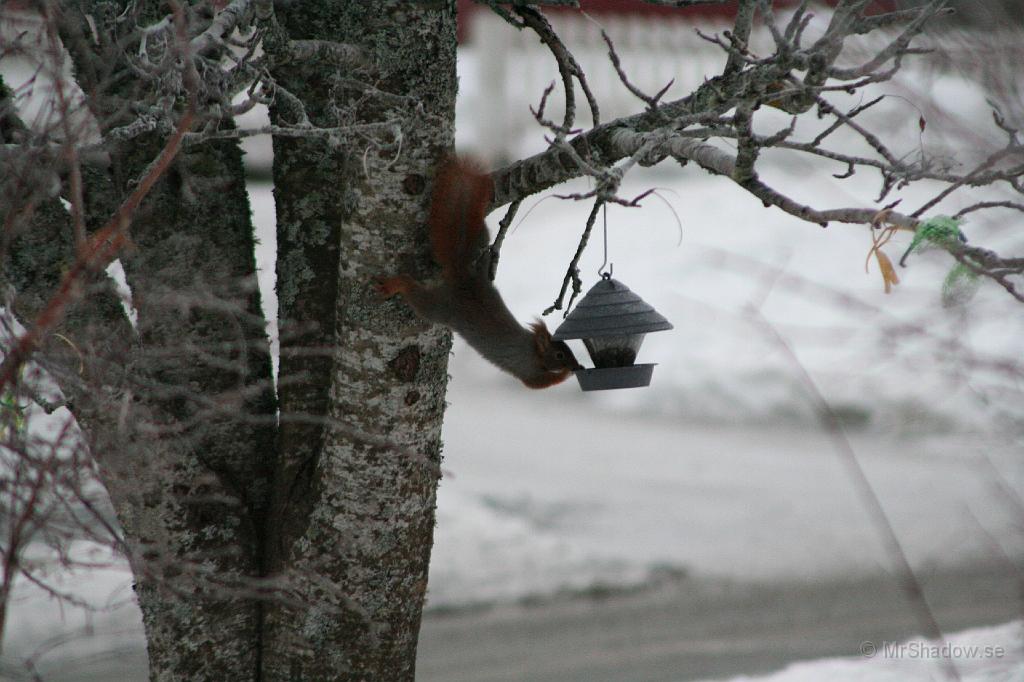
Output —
<point x="556" y="359"/>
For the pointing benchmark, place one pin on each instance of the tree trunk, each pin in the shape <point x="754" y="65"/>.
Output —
<point x="180" y="412"/>
<point x="205" y="427"/>
<point x="161" y="407"/>
<point x="355" y="490"/>
<point x="333" y="498"/>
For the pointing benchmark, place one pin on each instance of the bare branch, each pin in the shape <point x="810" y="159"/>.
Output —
<point x="650" y="100"/>
<point x="897" y="47"/>
<point x="236" y="14"/>
<point x="989" y="204"/>
<point x="568" y="67"/>
<point x="722" y="163"/>
<point x="739" y="36"/>
<point x="499" y="239"/>
<point x="572" y="274"/>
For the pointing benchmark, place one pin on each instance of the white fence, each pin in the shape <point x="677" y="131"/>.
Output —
<point x="509" y="69"/>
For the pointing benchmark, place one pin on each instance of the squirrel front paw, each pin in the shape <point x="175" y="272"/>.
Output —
<point x="386" y="287"/>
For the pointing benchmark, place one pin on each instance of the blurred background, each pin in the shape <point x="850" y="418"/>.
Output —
<point x="708" y="526"/>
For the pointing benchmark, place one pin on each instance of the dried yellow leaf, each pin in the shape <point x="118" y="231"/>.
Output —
<point x="889" y="276"/>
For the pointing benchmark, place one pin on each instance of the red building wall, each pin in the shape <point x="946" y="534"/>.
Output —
<point x="723" y="10"/>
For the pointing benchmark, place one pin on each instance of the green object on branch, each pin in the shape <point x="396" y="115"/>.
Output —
<point x="941" y="231"/>
<point x="12" y="414"/>
<point x="959" y="286"/>
<point x="961" y="282"/>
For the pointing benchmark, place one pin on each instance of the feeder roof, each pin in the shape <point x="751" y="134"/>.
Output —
<point x="610" y="309"/>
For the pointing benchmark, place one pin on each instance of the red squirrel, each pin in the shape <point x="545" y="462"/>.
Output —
<point x="466" y="300"/>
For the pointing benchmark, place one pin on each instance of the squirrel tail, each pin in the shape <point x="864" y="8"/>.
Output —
<point x="462" y="191"/>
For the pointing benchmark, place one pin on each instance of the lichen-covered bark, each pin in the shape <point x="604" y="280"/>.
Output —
<point x="161" y="408"/>
<point x="356" y="491"/>
<point x="203" y="437"/>
<point x="182" y="420"/>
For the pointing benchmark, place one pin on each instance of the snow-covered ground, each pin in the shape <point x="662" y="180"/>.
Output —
<point x="720" y="468"/>
<point x="557" y="492"/>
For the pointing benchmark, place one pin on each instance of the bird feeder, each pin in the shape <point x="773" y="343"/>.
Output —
<point x="612" y="321"/>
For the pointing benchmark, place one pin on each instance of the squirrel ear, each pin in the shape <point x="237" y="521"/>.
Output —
<point x="541" y="336"/>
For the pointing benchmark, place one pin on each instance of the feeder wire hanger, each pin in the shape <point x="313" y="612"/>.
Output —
<point x="611" y="266"/>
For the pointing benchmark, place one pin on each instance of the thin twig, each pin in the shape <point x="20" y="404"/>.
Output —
<point x="499" y="239"/>
<point x="572" y="274"/>
<point x="568" y="67"/>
